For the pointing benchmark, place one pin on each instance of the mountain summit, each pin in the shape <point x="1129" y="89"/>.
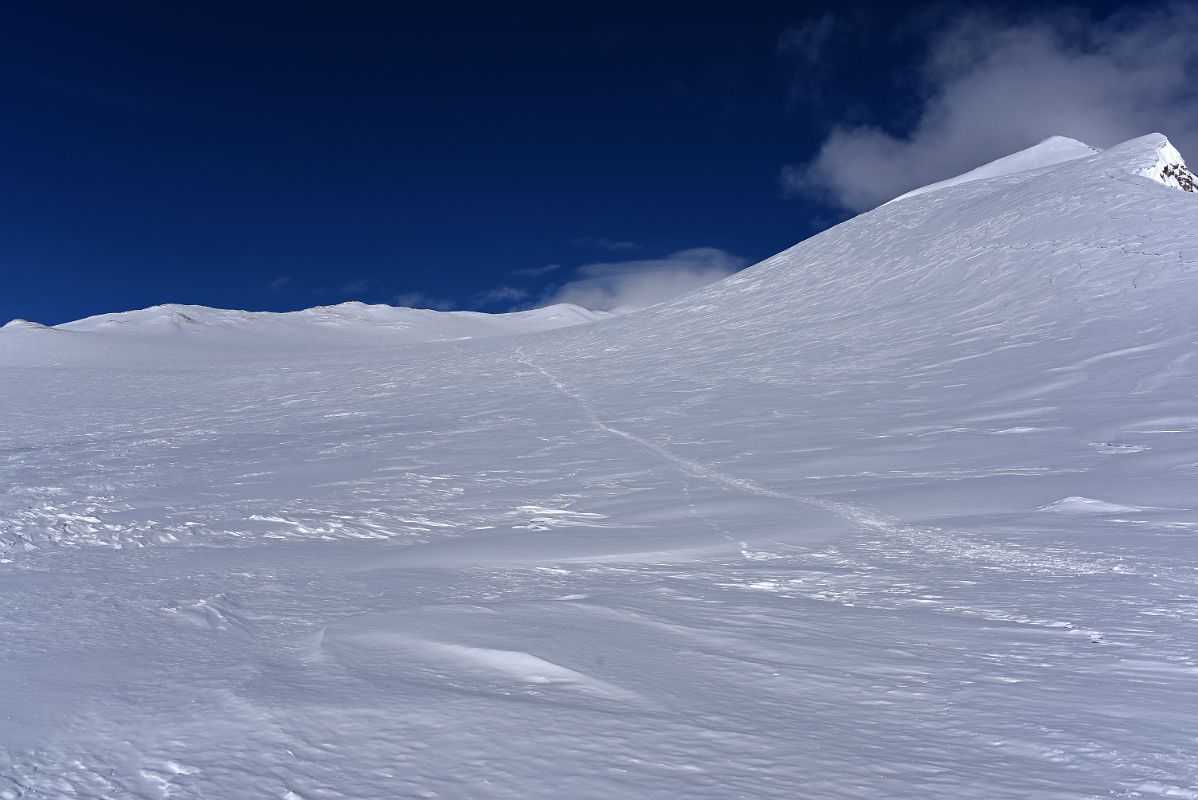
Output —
<point x="1169" y="169"/>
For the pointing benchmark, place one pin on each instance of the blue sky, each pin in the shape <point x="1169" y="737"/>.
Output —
<point x="279" y="156"/>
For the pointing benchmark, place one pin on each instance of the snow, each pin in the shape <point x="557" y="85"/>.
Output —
<point x="1050" y="152"/>
<point x="414" y="323"/>
<point x="1167" y="166"/>
<point x="905" y="511"/>
<point x="167" y="333"/>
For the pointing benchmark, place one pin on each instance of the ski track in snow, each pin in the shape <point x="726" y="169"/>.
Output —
<point x="954" y="547"/>
<point x="906" y="511"/>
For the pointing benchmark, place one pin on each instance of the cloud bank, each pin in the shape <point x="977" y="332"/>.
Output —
<point x="993" y="86"/>
<point x="422" y="300"/>
<point x="629" y="285"/>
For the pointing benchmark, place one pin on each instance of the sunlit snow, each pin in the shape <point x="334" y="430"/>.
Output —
<point x="905" y="511"/>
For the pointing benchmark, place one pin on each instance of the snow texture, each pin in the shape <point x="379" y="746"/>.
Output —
<point x="1053" y="150"/>
<point x="905" y="511"/>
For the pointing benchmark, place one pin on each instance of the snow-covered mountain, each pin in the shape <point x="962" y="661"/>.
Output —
<point x="907" y="510"/>
<point x="1050" y="152"/>
<point x="169" y="331"/>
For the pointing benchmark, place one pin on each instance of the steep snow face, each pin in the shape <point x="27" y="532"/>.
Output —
<point x="1053" y="150"/>
<point x="905" y="511"/>
<point x="1168" y="167"/>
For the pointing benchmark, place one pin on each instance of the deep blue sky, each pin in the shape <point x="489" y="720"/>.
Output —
<point x="281" y="156"/>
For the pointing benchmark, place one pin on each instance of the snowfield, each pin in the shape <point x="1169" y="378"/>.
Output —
<point x="905" y="511"/>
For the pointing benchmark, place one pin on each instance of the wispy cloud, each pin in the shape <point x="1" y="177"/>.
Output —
<point x="992" y="85"/>
<point x="805" y="46"/>
<point x="603" y="243"/>
<point x="354" y="287"/>
<point x="500" y="294"/>
<point x="422" y="300"/>
<point x="279" y="283"/>
<point x="536" y="272"/>
<point x="629" y="285"/>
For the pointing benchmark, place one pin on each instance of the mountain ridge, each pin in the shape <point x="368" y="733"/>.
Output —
<point x="346" y="312"/>
<point x="1152" y="156"/>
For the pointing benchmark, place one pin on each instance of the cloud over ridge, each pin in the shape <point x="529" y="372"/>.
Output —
<point x="629" y="285"/>
<point x="992" y="86"/>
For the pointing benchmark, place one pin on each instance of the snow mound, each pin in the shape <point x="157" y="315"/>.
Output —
<point x="22" y="324"/>
<point x="1089" y="505"/>
<point x="1051" y="151"/>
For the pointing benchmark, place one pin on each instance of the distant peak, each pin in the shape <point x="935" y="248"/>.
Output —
<point x="23" y="323"/>
<point x="1063" y="141"/>
<point x="348" y="305"/>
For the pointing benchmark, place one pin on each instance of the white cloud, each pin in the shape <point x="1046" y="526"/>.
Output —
<point x="629" y="285"/>
<point x="422" y="300"/>
<point x="993" y="86"/>
<point x="500" y="294"/>
<point x="278" y="283"/>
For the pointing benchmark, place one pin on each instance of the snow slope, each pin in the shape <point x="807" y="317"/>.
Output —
<point x="905" y="511"/>
<point x="175" y="331"/>
<point x="1050" y="152"/>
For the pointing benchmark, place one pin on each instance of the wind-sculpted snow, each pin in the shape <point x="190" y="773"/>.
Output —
<point x="905" y="511"/>
<point x="1050" y="152"/>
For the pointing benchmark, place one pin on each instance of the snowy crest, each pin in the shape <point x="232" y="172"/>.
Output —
<point x="1167" y="165"/>
<point x="1152" y="156"/>
<point x="1051" y="151"/>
